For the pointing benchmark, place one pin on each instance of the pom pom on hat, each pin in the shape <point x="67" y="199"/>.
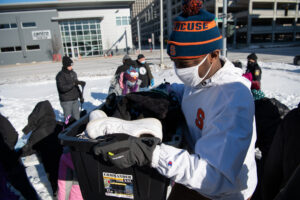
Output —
<point x="191" y="7"/>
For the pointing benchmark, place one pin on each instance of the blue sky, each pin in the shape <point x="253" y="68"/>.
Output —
<point x="21" y="1"/>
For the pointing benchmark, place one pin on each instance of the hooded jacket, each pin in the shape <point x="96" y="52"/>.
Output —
<point x="65" y="82"/>
<point x="220" y="117"/>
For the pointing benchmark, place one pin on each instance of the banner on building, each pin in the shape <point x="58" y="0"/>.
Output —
<point x="41" y="35"/>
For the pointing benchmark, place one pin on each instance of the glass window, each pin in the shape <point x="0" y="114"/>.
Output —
<point x="93" y="32"/>
<point x="128" y="20"/>
<point x="78" y="22"/>
<point x="33" y="47"/>
<point x="87" y="37"/>
<point x="94" y="37"/>
<point x="28" y="24"/>
<point x="66" y="28"/>
<point x="79" y="38"/>
<point x="7" y="49"/>
<point x="67" y="33"/>
<point x="80" y="44"/>
<point x="93" y="26"/>
<point x="94" y="42"/>
<point x="13" y="25"/>
<point x="79" y="33"/>
<point x="78" y="27"/>
<point x="86" y="32"/>
<point x="73" y="33"/>
<point x="18" y="48"/>
<point x="4" y="26"/>
<point x="81" y="49"/>
<point x="72" y="28"/>
<point x="85" y="27"/>
<point x="88" y="48"/>
<point x="118" y="21"/>
<point x="124" y="21"/>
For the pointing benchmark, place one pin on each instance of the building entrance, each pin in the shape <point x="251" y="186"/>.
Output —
<point x="81" y="37"/>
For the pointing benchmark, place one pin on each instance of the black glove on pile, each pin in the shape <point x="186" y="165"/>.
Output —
<point x="124" y="151"/>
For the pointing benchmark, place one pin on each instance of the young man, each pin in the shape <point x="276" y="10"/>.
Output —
<point x="219" y="110"/>
<point x="145" y="74"/>
<point x="68" y="90"/>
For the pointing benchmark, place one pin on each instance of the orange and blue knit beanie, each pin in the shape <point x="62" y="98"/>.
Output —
<point x="195" y="32"/>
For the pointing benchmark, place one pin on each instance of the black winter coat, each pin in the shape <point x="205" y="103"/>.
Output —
<point x="283" y="157"/>
<point x="127" y="64"/>
<point x="67" y="89"/>
<point x="255" y="70"/>
<point x="145" y="74"/>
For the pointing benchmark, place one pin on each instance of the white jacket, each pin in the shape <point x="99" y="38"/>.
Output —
<point x="220" y="118"/>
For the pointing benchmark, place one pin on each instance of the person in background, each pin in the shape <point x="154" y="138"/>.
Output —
<point x="116" y="83"/>
<point x="255" y="70"/>
<point x="68" y="90"/>
<point x="145" y="74"/>
<point x="127" y="63"/>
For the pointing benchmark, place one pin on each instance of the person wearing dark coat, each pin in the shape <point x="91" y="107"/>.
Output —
<point x="127" y="63"/>
<point x="283" y="157"/>
<point x="253" y="67"/>
<point x="145" y="74"/>
<point x="11" y="165"/>
<point x="115" y="86"/>
<point x="68" y="90"/>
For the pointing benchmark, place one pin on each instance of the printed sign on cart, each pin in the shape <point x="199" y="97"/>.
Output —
<point x="118" y="185"/>
<point x="41" y="35"/>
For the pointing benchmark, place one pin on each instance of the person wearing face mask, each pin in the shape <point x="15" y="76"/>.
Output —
<point x="219" y="111"/>
<point x="253" y="68"/>
<point x="145" y="74"/>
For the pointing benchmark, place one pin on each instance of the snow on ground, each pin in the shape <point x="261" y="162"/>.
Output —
<point x="23" y="86"/>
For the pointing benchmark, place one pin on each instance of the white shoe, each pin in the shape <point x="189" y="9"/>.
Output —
<point x="97" y="114"/>
<point x="136" y="128"/>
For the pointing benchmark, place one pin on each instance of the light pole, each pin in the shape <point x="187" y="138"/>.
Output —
<point x="139" y="34"/>
<point x="224" y="27"/>
<point x="161" y="34"/>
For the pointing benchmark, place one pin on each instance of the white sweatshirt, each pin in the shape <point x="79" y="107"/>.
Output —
<point x="220" y="118"/>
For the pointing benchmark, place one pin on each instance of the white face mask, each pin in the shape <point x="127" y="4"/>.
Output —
<point x="190" y="75"/>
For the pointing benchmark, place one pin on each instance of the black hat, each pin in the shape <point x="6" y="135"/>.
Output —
<point x="140" y="56"/>
<point x="252" y="56"/>
<point x="67" y="61"/>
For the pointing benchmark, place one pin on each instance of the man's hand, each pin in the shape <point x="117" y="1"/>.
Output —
<point x="125" y="151"/>
<point x="82" y="83"/>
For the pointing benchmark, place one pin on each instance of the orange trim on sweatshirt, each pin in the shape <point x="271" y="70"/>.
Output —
<point x="194" y="43"/>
